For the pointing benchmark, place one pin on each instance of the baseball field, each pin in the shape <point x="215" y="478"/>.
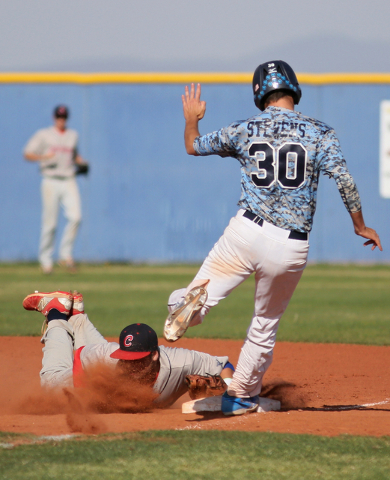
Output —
<point x="330" y="373"/>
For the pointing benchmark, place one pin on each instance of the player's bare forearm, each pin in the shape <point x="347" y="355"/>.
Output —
<point x="191" y="131"/>
<point x="365" y="232"/>
<point x="32" y="157"/>
<point x="193" y="110"/>
<point x="227" y="372"/>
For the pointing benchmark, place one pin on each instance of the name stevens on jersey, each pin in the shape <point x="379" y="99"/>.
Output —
<point x="269" y="128"/>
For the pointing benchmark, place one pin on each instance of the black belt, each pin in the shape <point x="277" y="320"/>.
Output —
<point x="294" y="234"/>
<point x="57" y="177"/>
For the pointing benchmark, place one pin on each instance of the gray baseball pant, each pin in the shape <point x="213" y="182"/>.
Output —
<point x="61" y="339"/>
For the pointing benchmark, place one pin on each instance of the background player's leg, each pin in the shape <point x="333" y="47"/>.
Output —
<point x="85" y="333"/>
<point x="57" y="361"/>
<point x="72" y="210"/>
<point x="50" y="207"/>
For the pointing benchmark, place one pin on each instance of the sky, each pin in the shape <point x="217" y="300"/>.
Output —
<point x="198" y="35"/>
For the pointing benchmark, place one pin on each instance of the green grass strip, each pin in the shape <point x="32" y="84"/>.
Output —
<point x="200" y="455"/>
<point x="332" y="303"/>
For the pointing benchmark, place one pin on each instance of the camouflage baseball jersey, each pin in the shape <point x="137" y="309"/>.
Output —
<point x="282" y="153"/>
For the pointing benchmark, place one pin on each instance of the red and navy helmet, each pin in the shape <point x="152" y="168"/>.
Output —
<point x="272" y="76"/>
<point x="136" y="341"/>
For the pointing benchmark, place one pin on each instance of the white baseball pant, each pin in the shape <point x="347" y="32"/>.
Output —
<point x="55" y="193"/>
<point x="278" y="263"/>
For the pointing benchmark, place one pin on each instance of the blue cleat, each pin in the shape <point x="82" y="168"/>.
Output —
<point x="238" y="406"/>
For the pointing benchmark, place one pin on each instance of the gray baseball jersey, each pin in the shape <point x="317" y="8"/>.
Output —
<point x="53" y="141"/>
<point x="175" y="364"/>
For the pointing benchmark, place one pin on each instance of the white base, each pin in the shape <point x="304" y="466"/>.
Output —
<point x="268" y="405"/>
<point x="213" y="404"/>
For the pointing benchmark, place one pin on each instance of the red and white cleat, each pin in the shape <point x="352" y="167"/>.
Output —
<point x="78" y="303"/>
<point x="45" y="301"/>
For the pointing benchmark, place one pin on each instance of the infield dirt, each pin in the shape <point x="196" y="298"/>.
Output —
<point x="322" y="389"/>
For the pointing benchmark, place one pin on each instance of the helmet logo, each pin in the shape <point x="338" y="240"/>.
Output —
<point x="127" y="341"/>
<point x="257" y="87"/>
<point x="271" y="68"/>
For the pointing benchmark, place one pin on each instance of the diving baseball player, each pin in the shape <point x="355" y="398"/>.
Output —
<point x="282" y="154"/>
<point x="72" y="345"/>
<point x="55" y="148"/>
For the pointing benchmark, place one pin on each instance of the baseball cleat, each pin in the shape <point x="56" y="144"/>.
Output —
<point x="78" y="303"/>
<point x="69" y="265"/>
<point x="180" y="318"/>
<point x="45" y="301"/>
<point x="47" y="270"/>
<point x="238" y="406"/>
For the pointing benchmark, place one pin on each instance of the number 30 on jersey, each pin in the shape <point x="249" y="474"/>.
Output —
<point x="286" y="164"/>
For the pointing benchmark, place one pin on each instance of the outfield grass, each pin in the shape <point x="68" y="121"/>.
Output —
<point x="333" y="303"/>
<point x="185" y="455"/>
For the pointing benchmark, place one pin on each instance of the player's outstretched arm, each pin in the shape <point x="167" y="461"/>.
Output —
<point x="365" y="232"/>
<point x="32" y="157"/>
<point x="194" y="109"/>
<point x="227" y="373"/>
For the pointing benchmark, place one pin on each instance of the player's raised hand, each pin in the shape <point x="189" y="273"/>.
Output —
<point x="193" y="107"/>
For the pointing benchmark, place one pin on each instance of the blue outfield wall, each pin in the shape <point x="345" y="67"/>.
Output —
<point x="145" y="199"/>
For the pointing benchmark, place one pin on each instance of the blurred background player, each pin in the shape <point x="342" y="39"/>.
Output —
<point x="55" y="148"/>
<point x="281" y="153"/>
<point x="72" y="346"/>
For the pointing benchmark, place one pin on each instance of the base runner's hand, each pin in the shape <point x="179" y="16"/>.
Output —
<point x="365" y="232"/>
<point x="193" y="107"/>
<point x="374" y="239"/>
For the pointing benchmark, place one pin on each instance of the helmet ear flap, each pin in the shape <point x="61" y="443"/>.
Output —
<point x="257" y="99"/>
<point x="258" y="84"/>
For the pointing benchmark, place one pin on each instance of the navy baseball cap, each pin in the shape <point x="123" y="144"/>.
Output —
<point x="136" y="341"/>
<point x="61" y="111"/>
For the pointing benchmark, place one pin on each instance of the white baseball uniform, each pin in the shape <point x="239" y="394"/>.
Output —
<point x="63" y="339"/>
<point x="59" y="188"/>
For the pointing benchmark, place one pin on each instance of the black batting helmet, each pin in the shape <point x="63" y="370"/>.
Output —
<point x="272" y="76"/>
<point x="61" y="111"/>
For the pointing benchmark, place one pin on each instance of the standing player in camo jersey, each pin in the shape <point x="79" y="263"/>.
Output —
<point x="55" y="148"/>
<point x="281" y="153"/>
